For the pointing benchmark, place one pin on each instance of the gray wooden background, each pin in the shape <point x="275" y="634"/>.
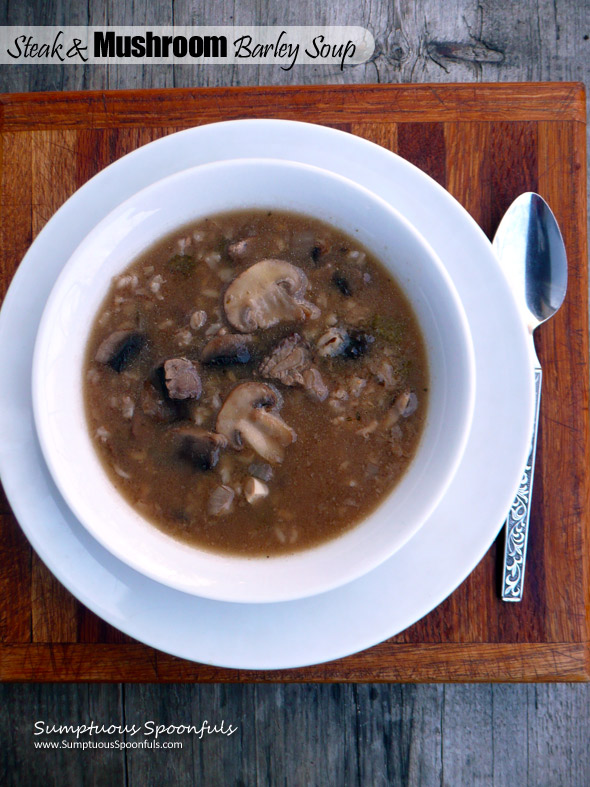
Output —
<point x="367" y="735"/>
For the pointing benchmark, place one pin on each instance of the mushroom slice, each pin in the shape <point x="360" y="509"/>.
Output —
<point x="272" y="426"/>
<point x="267" y="293"/>
<point x="228" y="349"/>
<point x="119" y="349"/>
<point x="182" y="379"/>
<point x="250" y="414"/>
<point x="290" y="364"/>
<point x="200" y="447"/>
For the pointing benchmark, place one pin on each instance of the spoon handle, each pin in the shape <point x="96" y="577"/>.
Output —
<point x="517" y="522"/>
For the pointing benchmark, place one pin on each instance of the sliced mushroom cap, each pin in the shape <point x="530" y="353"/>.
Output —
<point x="200" y="447"/>
<point x="119" y="349"/>
<point x="182" y="379"/>
<point x="250" y="414"/>
<point x="269" y="292"/>
<point x="228" y="349"/>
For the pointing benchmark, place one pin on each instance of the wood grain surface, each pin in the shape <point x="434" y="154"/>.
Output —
<point x="486" y="144"/>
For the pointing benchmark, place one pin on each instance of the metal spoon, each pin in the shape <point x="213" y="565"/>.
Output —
<point x="532" y="254"/>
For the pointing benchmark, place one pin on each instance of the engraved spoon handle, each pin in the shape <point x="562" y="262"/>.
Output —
<point x="517" y="522"/>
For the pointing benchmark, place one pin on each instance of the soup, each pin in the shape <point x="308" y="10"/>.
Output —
<point x="255" y="383"/>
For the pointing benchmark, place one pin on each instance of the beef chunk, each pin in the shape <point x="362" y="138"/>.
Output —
<point x="182" y="379"/>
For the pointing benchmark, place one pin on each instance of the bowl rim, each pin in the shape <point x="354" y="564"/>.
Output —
<point x="218" y="594"/>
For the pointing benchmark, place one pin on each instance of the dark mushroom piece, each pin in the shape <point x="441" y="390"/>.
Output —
<point x="225" y="350"/>
<point x="340" y="281"/>
<point x="319" y="249"/>
<point x="182" y="379"/>
<point x="200" y="447"/>
<point x="260" y="470"/>
<point x="359" y="343"/>
<point x="120" y="349"/>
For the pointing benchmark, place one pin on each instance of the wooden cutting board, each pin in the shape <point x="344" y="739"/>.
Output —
<point x="485" y="144"/>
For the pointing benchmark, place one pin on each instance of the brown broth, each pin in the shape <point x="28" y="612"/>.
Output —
<point x="347" y="455"/>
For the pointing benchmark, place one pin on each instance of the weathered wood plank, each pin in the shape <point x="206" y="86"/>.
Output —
<point x="23" y="764"/>
<point x="510" y="734"/>
<point x="409" y="721"/>
<point x="296" y="734"/>
<point x="558" y="724"/>
<point x="467" y="736"/>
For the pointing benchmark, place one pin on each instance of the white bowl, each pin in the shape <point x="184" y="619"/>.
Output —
<point x="133" y="227"/>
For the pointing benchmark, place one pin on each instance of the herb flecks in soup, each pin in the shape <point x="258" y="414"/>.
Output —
<point x="255" y="383"/>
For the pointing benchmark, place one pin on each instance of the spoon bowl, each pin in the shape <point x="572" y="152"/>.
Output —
<point x="531" y="251"/>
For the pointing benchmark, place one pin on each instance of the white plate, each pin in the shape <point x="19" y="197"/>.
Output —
<point x="414" y="580"/>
